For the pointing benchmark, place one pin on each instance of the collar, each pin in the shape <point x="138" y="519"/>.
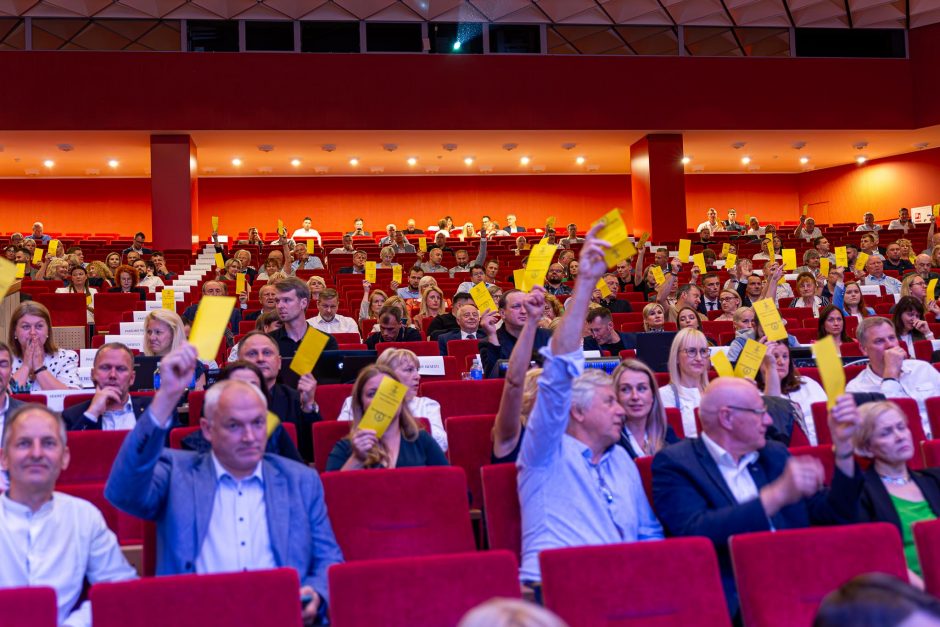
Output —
<point x="585" y="451"/>
<point x="723" y="458"/>
<point x="127" y="409"/>
<point x="221" y="472"/>
<point x="22" y="511"/>
<point x="878" y="379"/>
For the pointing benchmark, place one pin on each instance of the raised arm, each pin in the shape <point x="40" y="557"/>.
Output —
<point x="799" y="227"/>
<point x="638" y="269"/>
<point x="663" y="291"/>
<point x="591" y="266"/>
<point x="773" y="272"/>
<point x="930" y="232"/>
<point x="481" y="257"/>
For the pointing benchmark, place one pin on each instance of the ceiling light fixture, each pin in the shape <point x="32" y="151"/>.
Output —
<point x="412" y="161"/>
<point x="524" y="161"/>
<point x="49" y="163"/>
<point x="295" y="162"/>
<point x="468" y="160"/>
<point x="804" y="160"/>
<point x="861" y="159"/>
<point x="390" y="147"/>
<point x="745" y="160"/>
<point x="113" y="163"/>
<point x="236" y="162"/>
<point x="686" y="160"/>
<point x="354" y="162"/>
<point x="579" y="160"/>
<point x="449" y="147"/>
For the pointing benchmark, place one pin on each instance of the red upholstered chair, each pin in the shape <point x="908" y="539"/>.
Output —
<point x="780" y="577"/>
<point x="399" y="512"/>
<point x="933" y="414"/>
<point x="823" y="453"/>
<point x="200" y="600"/>
<point x="369" y="593"/>
<point x="325" y="436"/>
<point x="76" y="399"/>
<point x="92" y="454"/>
<point x="425" y="349"/>
<point x="908" y="405"/>
<point x="177" y="435"/>
<point x="645" y="466"/>
<point x="28" y="607"/>
<point x="195" y="398"/>
<point x="109" y="307"/>
<point x="470" y="446"/>
<point x="674" y="419"/>
<point x="629" y="584"/>
<point x="330" y="399"/>
<point x="31" y="398"/>
<point x="460" y="349"/>
<point x="501" y="508"/>
<point x="66" y="310"/>
<point x="927" y="539"/>
<point x="465" y="398"/>
<point x="930" y="449"/>
<point x="347" y="338"/>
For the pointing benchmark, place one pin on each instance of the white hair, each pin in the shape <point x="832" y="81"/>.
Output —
<point x="583" y="388"/>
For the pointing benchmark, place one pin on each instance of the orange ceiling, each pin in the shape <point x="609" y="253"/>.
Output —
<point x="607" y="152"/>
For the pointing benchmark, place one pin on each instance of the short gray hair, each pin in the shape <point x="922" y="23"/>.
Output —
<point x="583" y="388"/>
<point x="214" y="395"/>
<point x="22" y="410"/>
<point x="867" y="325"/>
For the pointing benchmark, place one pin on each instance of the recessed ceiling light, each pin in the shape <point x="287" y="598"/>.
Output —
<point x="113" y="163"/>
<point x="412" y="161"/>
<point x="354" y="162"/>
<point x="861" y="159"/>
<point x="579" y="160"/>
<point x="295" y="162"/>
<point x="236" y="162"/>
<point x="804" y="160"/>
<point x="686" y="160"/>
<point x="48" y="163"/>
<point x="524" y="161"/>
<point x="745" y="160"/>
<point x="468" y="160"/>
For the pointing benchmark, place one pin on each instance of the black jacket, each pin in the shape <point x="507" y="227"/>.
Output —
<point x="75" y="419"/>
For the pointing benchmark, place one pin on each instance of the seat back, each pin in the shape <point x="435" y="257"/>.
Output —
<point x="178" y="434"/>
<point x="325" y="436"/>
<point x="501" y="510"/>
<point x="470" y="446"/>
<point x="361" y="594"/>
<point x="424" y="349"/>
<point x="645" y="466"/>
<point x="823" y="453"/>
<point x="460" y="349"/>
<point x="933" y="414"/>
<point x="399" y="512"/>
<point x="780" y="577"/>
<point x="109" y="307"/>
<point x="930" y="450"/>
<point x="28" y="607"/>
<point x="627" y="584"/>
<point x="200" y="600"/>
<point x="65" y="310"/>
<point x="92" y="454"/>
<point x="330" y="398"/>
<point x="465" y="398"/>
<point x="195" y="398"/>
<point x="927" y="539"/>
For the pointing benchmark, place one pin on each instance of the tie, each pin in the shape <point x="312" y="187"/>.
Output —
<point x="711" y="306"/>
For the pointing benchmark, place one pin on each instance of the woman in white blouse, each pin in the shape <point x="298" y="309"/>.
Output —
<point x="688" y="376"/>
<point x="38" y="364"/>
<point x="78" y="284"/>
<point x="781" y="379"/>
<point x="405" y="364"/>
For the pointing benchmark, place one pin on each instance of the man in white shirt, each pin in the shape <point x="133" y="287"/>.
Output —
<point x="868" y="223"/>
<point x="327" y="320"/>
<point x="572" y="239"/>
<point x="875" y="270"/>
<point x="468" y="322"/>
<point x="476" y="275"/>
<point x="347" y="248"/>
<point x="903" y="223"/>
<point x="48" y="538"/>
<point x="712" y="223"/>
<point x="807" y="229"/>
<point x="889" y="372"/>
<point x="111" y="408"/>
<point x="306" y="233"/>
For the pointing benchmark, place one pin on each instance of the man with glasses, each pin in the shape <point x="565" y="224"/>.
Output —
<point x="553" y="281"/>
<point x="733" y="480"/>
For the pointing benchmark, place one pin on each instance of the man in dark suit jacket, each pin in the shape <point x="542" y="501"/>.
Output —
<point x="468" y="321"/>
<point x="603" y="335"/>
<point x="733" y="480"/>
<point x="392" y="329"/>
<point x="112" y="407"/>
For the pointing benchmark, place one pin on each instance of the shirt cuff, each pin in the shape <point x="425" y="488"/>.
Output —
<point x="90" y="417"/>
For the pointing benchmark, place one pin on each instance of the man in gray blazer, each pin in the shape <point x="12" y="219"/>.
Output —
<point x="233" y="508"/>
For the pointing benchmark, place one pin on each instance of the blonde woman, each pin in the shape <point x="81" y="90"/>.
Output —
<point x="386" y="256"/>
<point x="404" y="443"/>
<point x="553" y="309"/>
<point x="654" y="317"/>
<point x="743" y="319"/>
<point x="38" y="364"/>
<point x="113" y="261"/>
<point x="54" y="269"/>
<point x="316" y="284"/>
<point x="688" y="376"/>
<point x="432" y="304"/>
<point x="729" y="301"/>
<point x="163" y="333"/>
<point x="405" y="365"/>
<point x="372" y="302"/>
<point x="99" y="275"/>
<point x="645" y="431"/>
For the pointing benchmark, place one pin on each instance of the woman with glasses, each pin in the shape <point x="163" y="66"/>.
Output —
<point x="729" y="301"/>
<point x="915" y="286"/>
<point x="645" y="431"/>
<point x="688" y="376"/>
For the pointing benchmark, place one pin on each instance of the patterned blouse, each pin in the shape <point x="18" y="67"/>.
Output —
<point x="63" y="365"/>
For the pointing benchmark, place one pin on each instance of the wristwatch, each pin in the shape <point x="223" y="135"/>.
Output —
<point x="39" y="369"/>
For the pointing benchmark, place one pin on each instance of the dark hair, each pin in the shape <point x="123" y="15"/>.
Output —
<point x="904" y="305"/>
<point x="114" y="346"/>
<point x="293" y="284"/>
<point x="226" y="373"/>
<point x="821" y="327"/>
<point x="391" y="311"/>
<point x="265" y="319"/>
<point x="685" y="289"/>
<point x="251" y="334"/>
<point x="709" y="275"/>
<point x="505" y="298"/>
<point x="790" y="382"/>
<point x="72" y="250"/>
<point x="874" y="600"/>
<point x="140" y="233"/>
<point x="459" y="297"/>
<point x="598" y="312"/>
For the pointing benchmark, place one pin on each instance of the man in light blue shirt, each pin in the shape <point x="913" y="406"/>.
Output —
<point x="231" y="509"/>
<point x="876" y="276"/>
<point x="576" y="486"/>
<point x="414" y="280"/>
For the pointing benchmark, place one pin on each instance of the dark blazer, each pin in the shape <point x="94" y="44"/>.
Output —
<point x="285" y="404"/>
<point x="702" y="309"/>
<point x="14" y="403"/>
<point x="627" y="340"/>
<point x="490" y="353"/>
<point x="442" y="324"/>
<point x="406" y="334"/>
<point x="444" y="338"/>
<point x="875" y="503"/>
<point x="75" y="419"/>
<point x="615" y="305"/>
<point x="691" y="498"/>
<point x="671" y="438"/>
<point x="140" y="291"/>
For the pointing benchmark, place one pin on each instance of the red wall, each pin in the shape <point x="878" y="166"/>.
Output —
<point x="770" y="197"/>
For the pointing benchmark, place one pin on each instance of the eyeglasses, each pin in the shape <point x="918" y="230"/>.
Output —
<point x="757" y="412"/>
<point x="692" y="353"/>
<point x="728" y="299"/>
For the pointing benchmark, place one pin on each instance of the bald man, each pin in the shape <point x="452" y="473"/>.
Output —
<point x="733" y="480"/>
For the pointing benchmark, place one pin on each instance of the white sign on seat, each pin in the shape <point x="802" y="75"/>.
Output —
<point x="430" y="366"/>
<point x="86" y="357"/>
<point x="134" y="342"/>
<point x="132" y="328"/>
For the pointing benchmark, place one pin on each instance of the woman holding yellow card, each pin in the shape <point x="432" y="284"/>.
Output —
<point x="808" y="289"/>
<point x="396" y="441"/>
<point x="164" y="333"/>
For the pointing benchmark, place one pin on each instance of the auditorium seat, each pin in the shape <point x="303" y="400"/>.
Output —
<point x="908" y="405"/>
<point x="109" y="307"/>
<point x="28" y="607"/>
<point x="465" y="398"/>
<point x="399" y="512"/>
<point x="31" y="398"/>
<point x="927" y="539"/>
<point x="424" y="349"/>
<point x="639" y="583"/>
<point x="325" y="436"/>
<point x="195" y="398"/>
<point x="262" y="598"/>
<point x="329" y="399"/>
<point x="501" y="508"/>
<point x="426" y="590"/>
<point x="674" y="419"/>
<point x="782" y="576"/>
<point x="65" y="310"/>
<point x="645" y="466"/>
<point x="92" y="454"/>
<point x="470" y="446"/>
<point x="460" y="349"/>
<point x="823" y="453"/>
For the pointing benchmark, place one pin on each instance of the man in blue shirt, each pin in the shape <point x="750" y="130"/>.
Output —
<point x="576" y="486"/>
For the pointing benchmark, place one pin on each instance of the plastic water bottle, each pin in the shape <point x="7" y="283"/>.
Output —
<point x="156" y="378"/>
<point x="476" y="370"/>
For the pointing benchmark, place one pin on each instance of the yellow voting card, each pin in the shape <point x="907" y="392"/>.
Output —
<point x="861" y="260"/>
<point x="658" y="275"/>
<point x="618" y="252"/>
<point x="614" y="232"/>
<point x="750" y="360"/>
<point x="396" y="273"/>
<point x="272" y="422"/>
<point x="370" y="271"/>
<point x="805" y="209"/>
<point x="644" y="237"/>
<point x="20" y="270"/>
<point x="769" y="245"/>
<point x="8" y="273"/>
<point x="518" y="279"/>
<point x="539" y="260"/>
<point x="824" y="266"/>
<point x="699" y="260"/>
<point x="482" y="297"/>
<point x="239" y="283"/>
<point x="725" y="249"/>
<point x="936" y="210"/>
<point x="789" y="259"/>
<point x="88" y="300"/>
<point x="932" y="290"/>
<point x="280" y="226"/>
<point x="842" y="257"/>
<point x="685" y="247"/>
<point x="423" y="244"/>
<point x="770" y="320"/>
<point x="721" y="364"/>
<point x="830" y="369"/>
<point x="603" y="287"/>
<point x="219" y="261"/>
<point x="212" y="317"/>
<point x="215" y="224"/>
<point x="37" y="256"/>
<point x="550" y="223"/>
<point x="53" y="246"/>
<point x="730" y="260"/>
<point x="384" y="406"/>
<point x="168" y="297"/>
<point x="309" y="351"/>
<point x="310" y="243"/>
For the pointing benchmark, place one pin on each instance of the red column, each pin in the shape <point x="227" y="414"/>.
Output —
<point x="173" y="190"/>
<point x="657" y="177"/>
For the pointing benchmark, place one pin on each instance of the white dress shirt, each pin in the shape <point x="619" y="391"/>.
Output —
<point x="237" y="538"/>
<point x="736" y="474"/>
<point x="715" y="305"/>
<point x="339" y="324"/>
<point x="59" y="545"/>
<point x="122" y="419"/>
<point x="865" y="227"/>
<point x="689" y="399"/>
<point x="420" y="407"/>
<point x="918" y="381"/>
<point x="809" y="392"/>
<point x="305" y="234"/>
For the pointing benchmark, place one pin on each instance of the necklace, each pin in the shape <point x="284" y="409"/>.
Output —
<point x="898" y="481"/>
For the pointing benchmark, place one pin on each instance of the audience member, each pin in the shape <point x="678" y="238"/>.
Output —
<point x="868" y="244"/>
<point x="306" y="232"/>
<point x="894" y="261"/>
<point x="37" y="235"/>
<point x="358" y="264"/>
<point x="903" y="221"/>
<point x="38" y="363"/>
<point x="731" y="224"/>
<point x="807" y="229"/>
<point x="688" y="375"/>
<point x="292" y="299"/>
<point x="372" y="302"/>
<point x="448" y="322"/>
<point x="868" y="223"/>
<point x="218" y="288"/>
<point x="327" y="320"/>
<point x="654" y="318"/>
<point x="347" y="248"/>
<point x="412" y="229"/>
<point x="358" y="230"/>
<point x="909" y="323"/>
<point x="603" y="336"/>
<point x="435" y="256"/>
<point x="711" y="286"/>
<point x="849" y="298"/>
<point x="554" y="281"/>
<point x="78" y="284"/>
<point x="712" y="223"/>
<point x="780" y="379"/>
<point x="392" y="328"/>
<point x="730" y="301"/>
<point x="477" y="275"/>
<point x="499" y="612"/>
<point x="645" y="431"/>
<point x="267" y="298"/>
<point x="500" y="341"/>
<point x="164" y="333"/>
<point x="125" y="282"/>
<point x="878" y="600"/>
<point x="137" y="246"/>
<point x="572" y="239"/>
<point x="432" y="305"/>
